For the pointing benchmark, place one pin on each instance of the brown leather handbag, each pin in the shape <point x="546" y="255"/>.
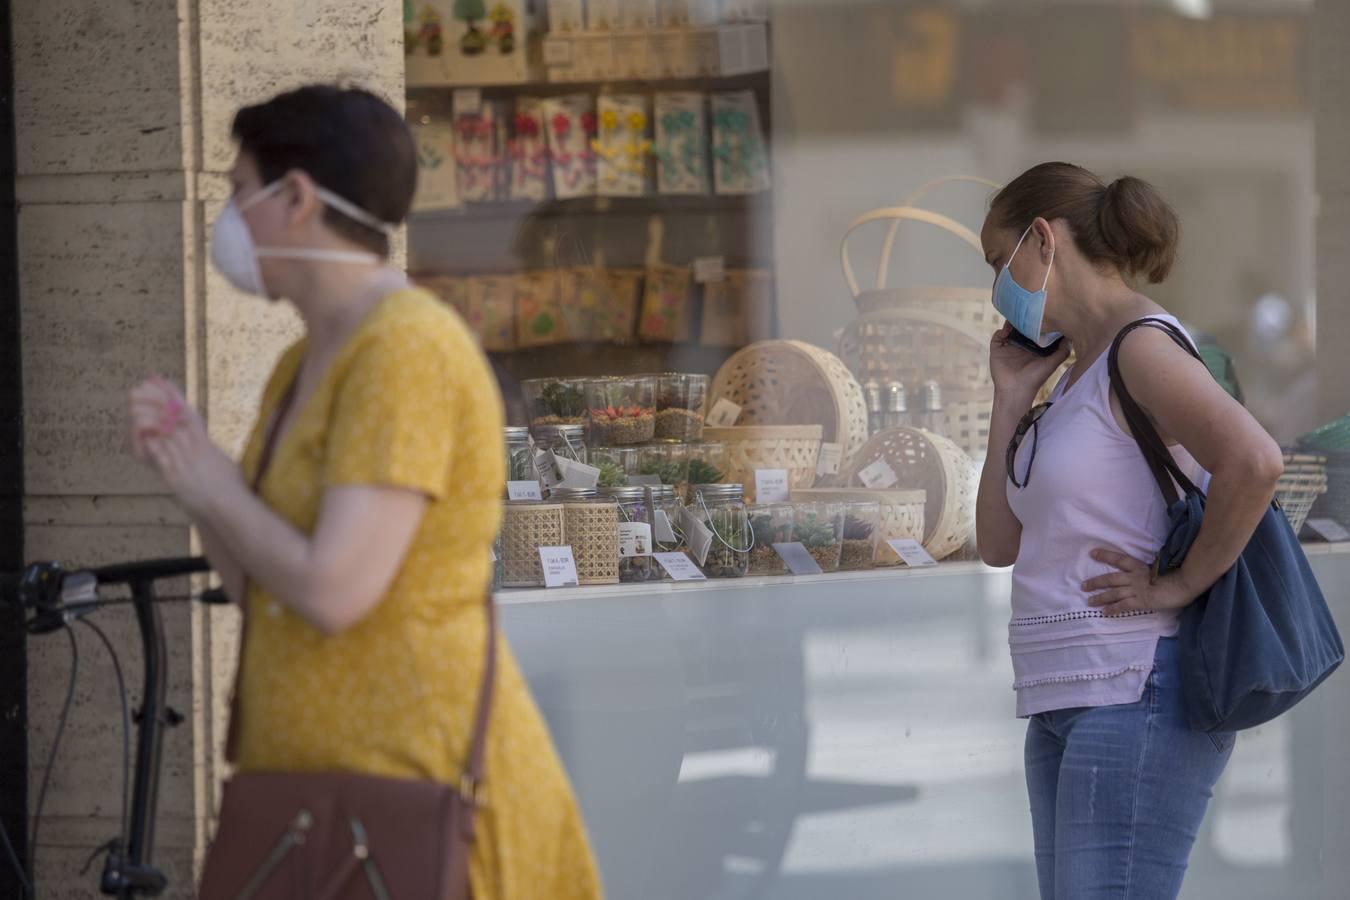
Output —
<point x="343" y="836"/>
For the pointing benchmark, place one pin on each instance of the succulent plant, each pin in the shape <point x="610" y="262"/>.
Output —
<point x="668" y="471"/>
<point x="612" y="475"/>
<point x="814" y="532"/>
<point x="767" y="532"/>
<point x="703" y="472"/>
<point x="856" y="529"/>
<point x="566" y="401"/>
<point x="614" y="413"/>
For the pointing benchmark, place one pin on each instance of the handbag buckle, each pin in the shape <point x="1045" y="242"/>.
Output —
<point x="470" y="789"/>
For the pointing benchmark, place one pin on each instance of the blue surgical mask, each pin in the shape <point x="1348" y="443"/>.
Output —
<point x="1023" y="308"/>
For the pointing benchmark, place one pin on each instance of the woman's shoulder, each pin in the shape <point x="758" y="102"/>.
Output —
<point x="414" y="322"/>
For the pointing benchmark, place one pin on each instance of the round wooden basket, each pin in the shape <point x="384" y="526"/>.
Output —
<point x="525" y="528"/>
<point x="1303" y="481"/>
<point x="795" y="383"/>
<point x="795" y="448"/>
<point x="902" y="514"/>
<point x="925" y="461"/>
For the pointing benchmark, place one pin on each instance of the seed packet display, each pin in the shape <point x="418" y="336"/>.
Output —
<point x="740" y="160"/>
<point x="681" y="144"/>
<point x="571" y="124"/>
<point x="665" y="316"/>
<point x="539" y="314"/>
<point x="529" y="151"/>
<point x="622" y="146"/>
<point x="477" y="160"/>
<point x="638" y="15"/>
<point x="492" y="310"/>
<point x="437" y="179"/>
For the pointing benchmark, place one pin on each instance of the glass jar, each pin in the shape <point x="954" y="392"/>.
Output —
<point x="616" y="464"/>
<point x="591" y="528"/>
<point x="681" y="404"/>
<point x="660" y="515"/>
<point x="519" y="455"/>
<point x="819" y="527"/>
<point x="621" y="410"/>
<point x="862" y="526"/>
<point x="563" y="440"/>
<point x="669" y="462"/>
<point x="555" y="401"/>
<point x="707" y="462"/>
<point x="770" y="523"/>
<point x="721" y="508"/>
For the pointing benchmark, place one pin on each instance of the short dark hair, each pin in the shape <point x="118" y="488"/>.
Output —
<point x="348" y="140"/>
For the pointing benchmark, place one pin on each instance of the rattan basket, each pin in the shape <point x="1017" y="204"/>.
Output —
<point x="1334" y="504"/>
<point x="592" y="530"/>
<point x="525" y="528"/>
<point x="795" y="448"/>
<point x="1303" y="481"/>
<point x="902" y="514"/>
<point x="795" y="383"/>
<point x="925" y="461"/>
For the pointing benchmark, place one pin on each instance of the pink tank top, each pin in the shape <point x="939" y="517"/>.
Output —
<point x="1089" y="488"/>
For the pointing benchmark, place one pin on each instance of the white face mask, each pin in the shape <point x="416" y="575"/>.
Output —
<point x="233" y="252"/>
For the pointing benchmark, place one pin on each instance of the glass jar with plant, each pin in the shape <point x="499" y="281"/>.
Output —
<point x="555" y="401"/>
<point x="721" y="508"/>
<point x="862" y="522"/>
<point x="819" y="527"/>
<point x="621" y="410"/>
<point x="669" y="462"/>
<point x="657" y="508"/>
<point x="771" y="523"/>
<point x="681" y="400"/>
<point x="519" y="455"/>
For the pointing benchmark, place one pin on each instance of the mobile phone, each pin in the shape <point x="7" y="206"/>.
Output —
<point x="1027" y="344"/>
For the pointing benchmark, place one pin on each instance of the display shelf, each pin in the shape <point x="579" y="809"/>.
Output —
<point x="651" y="204"/>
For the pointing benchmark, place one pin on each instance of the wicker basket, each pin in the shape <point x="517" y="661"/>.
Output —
<point x="1335" y="503"/>
<point x="592" y="529"/>
<point x="795" y="383"/>
<point x="902" y="514"/>
<point x="925" y="461"/>
<point x="1303" y="481"/>
<point x="525" y="528"/>
<point x="795" y="448"/>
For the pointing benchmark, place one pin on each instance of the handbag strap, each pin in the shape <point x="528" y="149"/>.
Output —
<point x="1160" y="461"/>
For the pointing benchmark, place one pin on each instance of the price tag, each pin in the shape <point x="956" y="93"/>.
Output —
<point x="723" y="413"/>
<point x="1329" y="530"/>
<point x="524" y="490"/>
<point x="799" y="560"/>
<point x="546" y="466"/>
<point x="467" y="101"/>
<point x="557" y="51"/>
<point x="645" y="480"/>
<point x="879" y="476"/>
<point x="635" y="539"/>
<point x="680" y="567"/>
<point x="560" y="567"/>
<point x="912" y="552"/>
<point x="696" y="534"/>
<point x="831" y="457"/>
<point x="577" y="475"/>
<point x="665" y="532"/>
<point x="710" y="268"/>
<point x="771" y="486"/>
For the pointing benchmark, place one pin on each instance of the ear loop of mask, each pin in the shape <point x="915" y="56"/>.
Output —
<point x="343" y="206"/>
<point x="1008" y="264"/>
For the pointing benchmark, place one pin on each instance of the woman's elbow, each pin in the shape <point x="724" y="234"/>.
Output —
<point x="333" y="611"/>
<point x="1264" y="463"/>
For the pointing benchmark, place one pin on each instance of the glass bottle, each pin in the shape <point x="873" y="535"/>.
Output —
<point x="876" y="411"/>
<point x="932" y="417"/>
<point x="721" y="509"/>
<point x="897" y="405"/>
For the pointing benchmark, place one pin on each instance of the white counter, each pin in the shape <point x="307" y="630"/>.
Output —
<point x="852" y="736"/>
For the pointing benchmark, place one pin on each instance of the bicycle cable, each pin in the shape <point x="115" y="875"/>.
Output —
<point x="126" y="726"/>
<point x="56" y="746"/>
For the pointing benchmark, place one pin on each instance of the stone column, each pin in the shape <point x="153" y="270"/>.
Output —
<point x="123" y="114"/>
<point x="1331" y="87"/>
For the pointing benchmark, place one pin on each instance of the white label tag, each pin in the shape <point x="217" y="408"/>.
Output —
<point x="577" y="475"/>
<point x="558" y="51"/>
<point x="912" y="552"/>
<point x="771" y="486"/>
<point x="831" y="456"/>
<point x="467" y="101"/>
<point x="723" y="413"/>
<point x="697" y="535"/>
<point x="546" y="466"/>
<point x="799" y="560"/>
<point x="524" y="490"/>
<point x="879" y="476"/>
<point x="710" y="268"/>
<point x="680" y="567"/>
<point x="1330" y="530"/>
<point x="645" y="480"/>
<point x="560" y="567"/>
<point x="635" y="539"/>
<point x="665" y="532"/>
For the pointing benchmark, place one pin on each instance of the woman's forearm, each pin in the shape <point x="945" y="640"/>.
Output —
<point x="998" y="533"/>
<point x="226" y="566"/>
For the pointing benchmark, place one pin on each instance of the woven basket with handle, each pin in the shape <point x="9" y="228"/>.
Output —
<point x="921" y="460"/>
<point x="795" y="448"/>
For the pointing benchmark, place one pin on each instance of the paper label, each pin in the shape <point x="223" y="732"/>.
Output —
<point x="680" y="567"/>
<point x="831" y="456"/>
<point x="799" y="560"/>
<point x="771" y="486"/>
<point x="710" y="268"/>
<point x="635" y="539"/>
<point x="467" y="101"/>
<point x="723" y="413"/>
<point x="546" y="465"/>
<point x="912" y="552"/>
<point x="558" y="51"/>
<point x="524" y="490"/>
<point x="577" y="475"/>
<point x="697" y="535"/>
<point x="1329" y="530"/>
<point x="665" y="532"/>
<point x="879" y="476"/>
<point x="560" y="567"/>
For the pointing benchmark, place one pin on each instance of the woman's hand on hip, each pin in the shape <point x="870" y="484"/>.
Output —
<point x="1133" y="588"/>
<point x="1017" y="372"/>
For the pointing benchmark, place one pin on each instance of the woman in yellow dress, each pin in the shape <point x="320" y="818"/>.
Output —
<point x="364" y="558"/>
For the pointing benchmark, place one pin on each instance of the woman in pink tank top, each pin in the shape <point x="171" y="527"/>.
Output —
<point x="1118" y="782"/>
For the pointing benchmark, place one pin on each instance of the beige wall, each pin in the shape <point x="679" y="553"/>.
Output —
<point x="1332" y="84"/>
<point x="123" y="114"/>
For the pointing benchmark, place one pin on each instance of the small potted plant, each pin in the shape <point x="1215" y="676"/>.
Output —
<point x="621" y="410"/>
<point x="680" y="403"/>
<point x="819" y="528"/>
<point x="771" y="524"/>
<point x="555" y="401"/>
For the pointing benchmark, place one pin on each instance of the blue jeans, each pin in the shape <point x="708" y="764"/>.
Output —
<point x="1118" y="792"/>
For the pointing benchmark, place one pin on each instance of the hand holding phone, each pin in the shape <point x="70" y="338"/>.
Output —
<point x="1027" y="344"/>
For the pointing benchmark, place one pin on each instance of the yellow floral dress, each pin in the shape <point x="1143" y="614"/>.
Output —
<point x="409" y="402"/>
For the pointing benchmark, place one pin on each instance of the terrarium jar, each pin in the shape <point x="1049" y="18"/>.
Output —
<point x="721" y="508"/>
<point x="819" y="527"/>
<point x="707" y="462"/>
<point x="555" y="401"/>
<point x="519" y="455"/>
<point x="681" y="403"/>
<point x="621" y="411"/>
<point x="669" y="462"/>
<point x="563" y="440"/>
<point x="862" y="524"/>
<point x="616" y="464"/>
<point x="657" y="508"/>
<point x="770" y="523"/>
